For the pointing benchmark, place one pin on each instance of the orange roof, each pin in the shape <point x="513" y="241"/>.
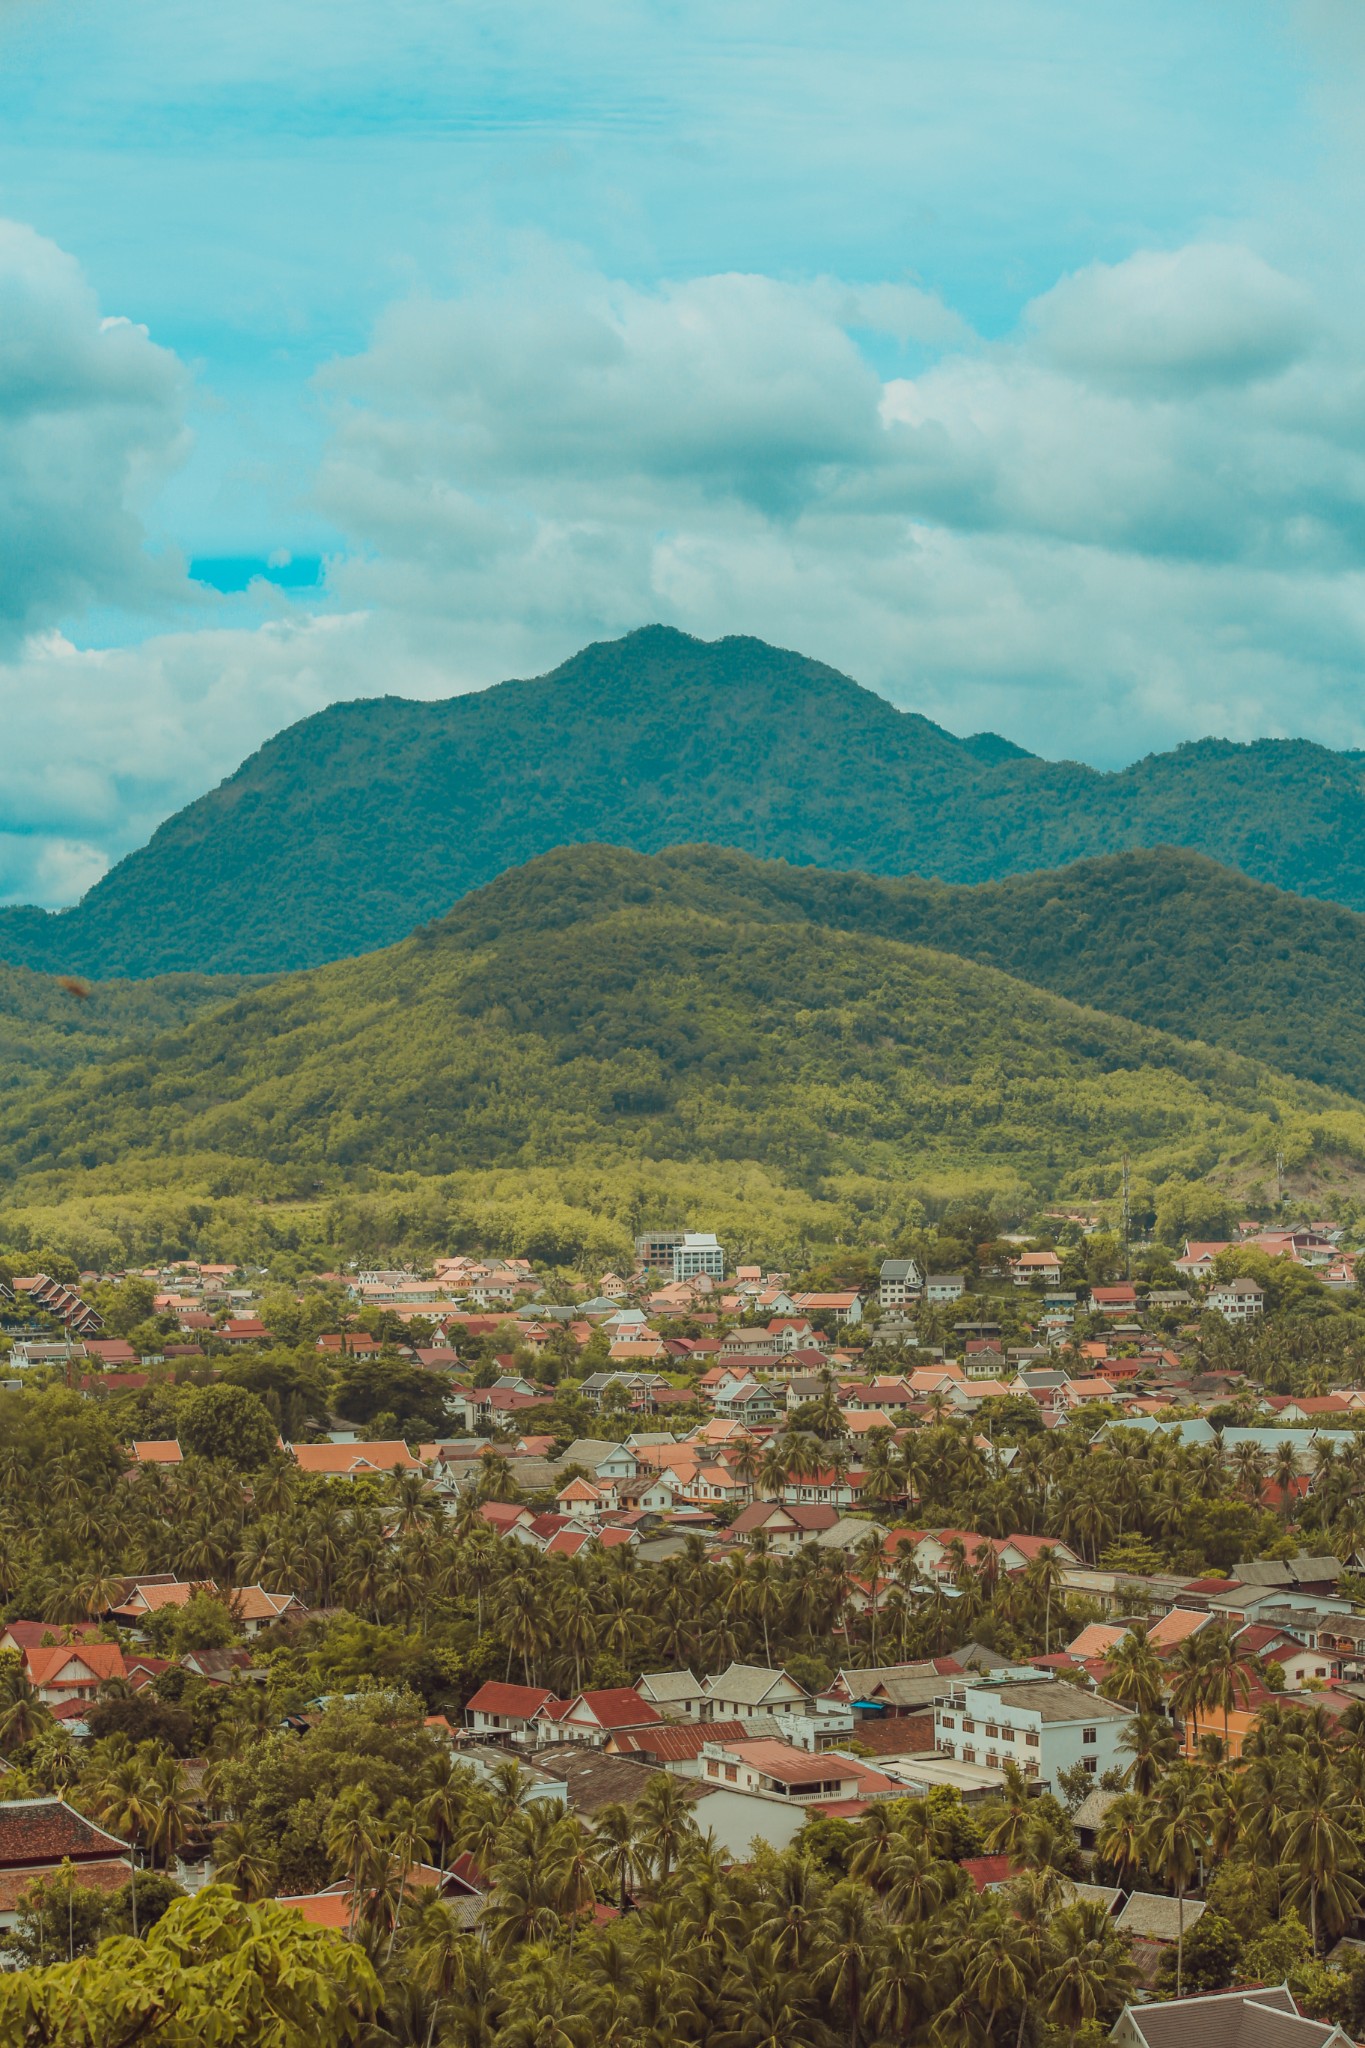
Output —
<point x="339" y="1460"/>
<point x="160" y="1452"/>
<point x="1174" y="1627"/>
<point x="101" y="1661"/>
<point x="1095" y="1639"/>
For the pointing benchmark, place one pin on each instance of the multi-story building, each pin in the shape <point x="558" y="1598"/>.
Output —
<point x="655" y="1249"/>
<point x="900" y="1281"/>
<point x="696" y="1253"/>
<point x="1044" y="1725"/>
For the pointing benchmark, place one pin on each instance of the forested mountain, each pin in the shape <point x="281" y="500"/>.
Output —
<point x="600" y="1009"/>
<point x="1167" y="938"/>
<point x="346" y="830"/>
<point x="49" y="1025"/>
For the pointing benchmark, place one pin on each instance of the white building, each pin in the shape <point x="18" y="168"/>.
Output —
<point x="1237" y="1301"/>
<point x="698" y="1253"/>
<point x="1044" y="1725"/>
<point x="944" y="1287"/>
<point x="900" y="1281"/>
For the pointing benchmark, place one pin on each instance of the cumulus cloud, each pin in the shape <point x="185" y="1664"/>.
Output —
<point x="90" y="420"/>
<point x="1136" y="518"/>
<point x="1175" y="322"/>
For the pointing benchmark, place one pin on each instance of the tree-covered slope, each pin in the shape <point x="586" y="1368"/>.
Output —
<point x="1167" y="938"/>
<point x="604" y="1007"/>
<point x="349" y="828"/>
<point x="50" y="1025"/>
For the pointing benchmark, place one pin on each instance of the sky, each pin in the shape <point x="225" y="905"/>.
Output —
<point x="1006" y="354"/>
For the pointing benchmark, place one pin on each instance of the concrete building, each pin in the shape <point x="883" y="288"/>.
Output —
<point x="698" y="1253"/>
<point x="900" y="1281"/>
<point x="1044" y="1725"/>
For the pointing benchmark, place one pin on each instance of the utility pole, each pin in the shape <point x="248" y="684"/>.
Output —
<point x="1127" y="1224"/>
<point x="1279" y="1178"/>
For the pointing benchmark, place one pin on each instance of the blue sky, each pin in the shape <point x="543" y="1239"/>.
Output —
<point x="1004" y="355"/>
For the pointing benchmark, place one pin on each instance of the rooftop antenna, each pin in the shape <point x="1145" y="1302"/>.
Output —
<point x="1127" y="1224"/>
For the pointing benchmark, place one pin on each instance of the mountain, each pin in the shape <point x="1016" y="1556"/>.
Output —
<point x="1166" y="938"/>
<point x="603" y="1017"/>
<point x="351" y="827"/>
<point x="48" y="1026"/>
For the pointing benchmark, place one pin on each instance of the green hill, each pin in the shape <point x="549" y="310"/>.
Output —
<point x="349" y="828"/>
<point x="47" y="1028"/>
<point x="1167" y="938"/>
<point x="601" y="1017"/>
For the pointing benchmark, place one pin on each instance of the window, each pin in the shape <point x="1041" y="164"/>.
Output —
<point x="1030" y="1768"/>
<point x="1007" y="1735"/>
<point x="992" y="1759"/>
<point x="712" y="1768"/>
<point x="1091" y="1764"/>
<point x="968" y="1753"/>
<point x="947" y="1721"/>
<point x="968" y="1727"/>
<point x="731" y="1773"/>
<point x="991" y="1731"/>
<point x="1031" y="1737"/>
<point x="1089" y="1735"/>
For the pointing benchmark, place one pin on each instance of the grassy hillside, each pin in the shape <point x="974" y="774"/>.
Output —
<point x="47" y="1028"/>
<point x="600" y="1013"/>
<point x="353" y="826"/>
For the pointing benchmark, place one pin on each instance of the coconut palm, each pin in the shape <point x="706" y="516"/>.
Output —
<point x="1173" y="1844"/>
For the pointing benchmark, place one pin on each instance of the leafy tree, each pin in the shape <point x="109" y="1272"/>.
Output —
<point x="227" y="1424"/>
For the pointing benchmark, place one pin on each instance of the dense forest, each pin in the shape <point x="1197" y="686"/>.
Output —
<point x="595" y="1014"/>
<point x="346" y="830"/>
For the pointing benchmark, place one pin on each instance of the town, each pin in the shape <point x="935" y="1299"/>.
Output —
<point x="477" y="1614"/>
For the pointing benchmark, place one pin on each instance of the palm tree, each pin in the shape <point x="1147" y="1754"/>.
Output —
<point x="124" y="1802"/>
<point x="1173" y="1845"/>
<point x="999" y="1969"/>
<point x="1150" y="1740"/>
<point x="23" y="1715"/>
<point x="242" y="1859"/>
<point x="617" y="1848"/>
<point x="353" y="1840"/>
<point x="842" y="1972"/>
<point x="1190" y="1678"/>
<point x="666" y="1825"/>
<point x="1134" y="1676"/>
<point x="1321" y="1852"/>
<point x="1089" y="1969"/>
<point x="174" y="1814"/>
<point x="1284" y="1472"/>
<point x="1120" y="1841"/>
<point x="437" y="1952"/>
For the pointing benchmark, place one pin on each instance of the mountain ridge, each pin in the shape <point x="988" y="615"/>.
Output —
<point x="349" y="828"/>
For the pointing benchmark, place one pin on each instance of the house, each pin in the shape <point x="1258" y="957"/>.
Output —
<point x="592" y="1716"/>
<point x="1031" y="1266"/>
<point x="784" y="1526"/>
<point x="74" y="1671"/>
<point x="37" y="1836"/>
<point x="743" y="1690"/>
<point x="1044" y="1725"/>
<point x="353" y="1461"/>
<point x="899" y="1281"/>
<point x="1197" y="1259"/>
<point x="505" y="1712"/>
<point x="675" y="1694"/>
<point x="1237" y="1301"/>
<point x="845" y="1306"/>
<point x="941" y="1288"/>
<point x="767" y="1764"/>
<point x="1265" y="2017"/>
<point x="158" y="1452"/>
<point x="673" y="1746"/>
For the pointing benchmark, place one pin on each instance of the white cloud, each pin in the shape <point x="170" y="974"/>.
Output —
<point x="1137" y="518"/>
<point x="1175" y="322"/>
<point x="90" y="420"/>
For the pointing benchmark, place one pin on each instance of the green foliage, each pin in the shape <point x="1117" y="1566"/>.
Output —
<point x="350" y="827"/>
<point x="227" y="1423"/>
<point x="587" y="1044"/>
<point x="1212" y="1957"/>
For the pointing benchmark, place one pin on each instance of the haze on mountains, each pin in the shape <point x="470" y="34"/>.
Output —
<point x="351" y="827"/>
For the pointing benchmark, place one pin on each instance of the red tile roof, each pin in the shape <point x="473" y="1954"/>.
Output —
<point x="493" y="1697"/>
<point x="618" y="1706"/>
<point x="39" y="1831"/>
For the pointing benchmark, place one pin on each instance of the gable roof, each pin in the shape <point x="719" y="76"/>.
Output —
<point x="493" y="1697"/>
<point x="41" y="1831"/>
